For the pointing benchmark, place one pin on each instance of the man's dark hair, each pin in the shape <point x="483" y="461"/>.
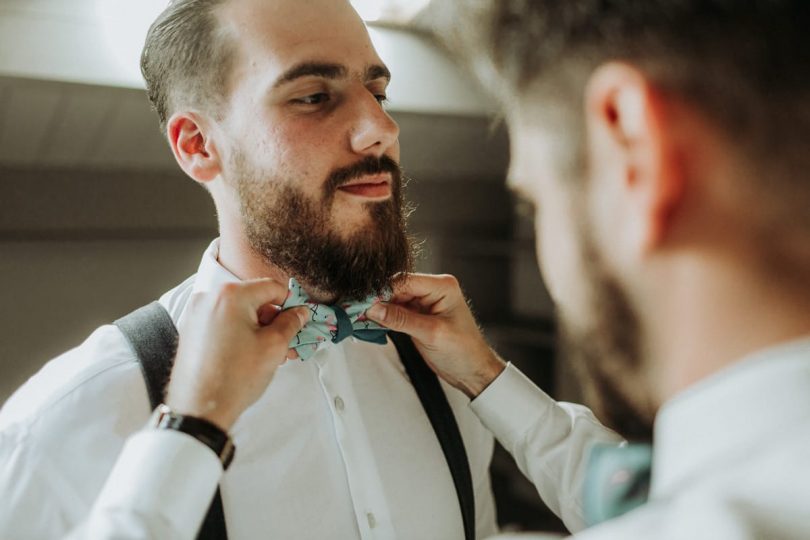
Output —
<point x="187" y="58"/>
<point x="745" y="64"/>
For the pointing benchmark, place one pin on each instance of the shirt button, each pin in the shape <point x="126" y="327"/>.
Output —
<point x="339" y="405"/>
<point x="372" y="521"/>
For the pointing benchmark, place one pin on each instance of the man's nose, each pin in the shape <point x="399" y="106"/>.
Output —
<point x="374" y="132"/>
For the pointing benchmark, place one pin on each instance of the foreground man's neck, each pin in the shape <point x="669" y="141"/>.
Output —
<point x="716" y="322"/>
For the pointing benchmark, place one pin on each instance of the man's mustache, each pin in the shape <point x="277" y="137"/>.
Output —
<point x="367" y="166"/>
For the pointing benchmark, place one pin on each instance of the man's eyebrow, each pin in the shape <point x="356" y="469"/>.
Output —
<point x="377" y="71"/>
<point x="324" y="70"/>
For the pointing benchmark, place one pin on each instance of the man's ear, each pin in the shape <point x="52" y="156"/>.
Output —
<point x="630" y="119"/>
<point x="193" y="147"/>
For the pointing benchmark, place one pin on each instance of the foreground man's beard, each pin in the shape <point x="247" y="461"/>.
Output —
<point x="295" y="233"/>
<point x="605" y="351"/>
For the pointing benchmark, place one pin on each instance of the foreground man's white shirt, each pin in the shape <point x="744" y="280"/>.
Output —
<point x="338" y="447"/>
<point x="731" y="456"/>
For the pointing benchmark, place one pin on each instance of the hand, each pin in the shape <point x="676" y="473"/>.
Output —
<point x="433" y="311"/>
<point x="231" y="342"/>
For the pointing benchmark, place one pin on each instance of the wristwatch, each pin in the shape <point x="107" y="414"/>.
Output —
<point x="202" y="430"/>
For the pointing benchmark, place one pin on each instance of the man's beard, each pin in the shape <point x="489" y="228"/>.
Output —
<point x="606" y="353"/>
<point x="295" y="232"/>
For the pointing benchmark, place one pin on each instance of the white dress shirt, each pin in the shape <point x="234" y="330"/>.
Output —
<point x="549" y="440"/>
<point x="731" y="458"/>
<point x="337" y="447"/>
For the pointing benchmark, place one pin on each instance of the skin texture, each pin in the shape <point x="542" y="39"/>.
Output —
<point x="295" y="131"/>
<point x="651" y="257"/>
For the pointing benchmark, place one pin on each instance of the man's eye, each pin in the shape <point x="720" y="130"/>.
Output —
<point x="381" y="98"/>
<point x="314" y="99"/>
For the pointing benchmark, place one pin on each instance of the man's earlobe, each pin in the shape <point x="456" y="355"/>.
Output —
<point x="193" y="149"/>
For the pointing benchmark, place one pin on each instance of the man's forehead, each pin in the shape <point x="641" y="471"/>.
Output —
<point x="531" y="145"/>
<point x="286" y="13"/>
<point x="277" y="36"/>
<point x="287" y="26"/>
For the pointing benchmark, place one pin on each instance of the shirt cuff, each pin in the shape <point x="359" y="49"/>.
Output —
<point x="510" y="405"/>
<point x="164" y="475"/>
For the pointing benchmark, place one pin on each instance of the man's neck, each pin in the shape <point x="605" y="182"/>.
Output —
<point x="712" y="316"/>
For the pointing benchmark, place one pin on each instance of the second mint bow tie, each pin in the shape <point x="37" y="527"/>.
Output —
<point x="332" y="323"/>
<point x="617" y="481"/>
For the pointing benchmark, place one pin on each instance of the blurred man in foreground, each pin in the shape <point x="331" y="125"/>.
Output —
<point x="664" y="146"/>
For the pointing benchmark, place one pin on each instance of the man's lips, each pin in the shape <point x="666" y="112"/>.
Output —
<point x="374" y="186"/>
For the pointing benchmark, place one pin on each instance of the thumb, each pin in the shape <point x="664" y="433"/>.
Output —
<point x="286" y="324"/>
<point x="403" y="320"/>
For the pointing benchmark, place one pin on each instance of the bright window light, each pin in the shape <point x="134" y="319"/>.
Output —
<point x="369" y="10"/>
<point x="395" y="11"/>
<point x="125" y="25"/>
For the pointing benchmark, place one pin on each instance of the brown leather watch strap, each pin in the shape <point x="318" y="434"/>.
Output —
<point x="204" y="431"/>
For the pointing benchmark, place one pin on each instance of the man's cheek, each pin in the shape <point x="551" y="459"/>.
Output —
<point x="548" y="263"/>
<point x="557" y="256"/>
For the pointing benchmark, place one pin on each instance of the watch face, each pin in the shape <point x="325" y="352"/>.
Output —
<point x="202" y="430"/>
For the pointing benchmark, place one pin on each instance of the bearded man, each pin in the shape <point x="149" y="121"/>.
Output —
<point x="276" y="109"/>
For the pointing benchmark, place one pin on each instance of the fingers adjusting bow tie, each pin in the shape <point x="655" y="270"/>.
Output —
<point x="332" y="324"/>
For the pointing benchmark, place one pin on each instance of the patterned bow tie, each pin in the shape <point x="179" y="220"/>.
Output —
<point x="332" y="323"/>
<point x="618" y="480"/>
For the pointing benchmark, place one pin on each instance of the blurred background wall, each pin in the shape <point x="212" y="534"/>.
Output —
<point x="96" y="219"/>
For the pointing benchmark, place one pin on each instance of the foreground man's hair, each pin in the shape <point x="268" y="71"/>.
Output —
<point x="741" y="63"/>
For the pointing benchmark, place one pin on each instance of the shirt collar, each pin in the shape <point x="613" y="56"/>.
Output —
<point x="725" y="416"/>
<point x="211" y="274"/>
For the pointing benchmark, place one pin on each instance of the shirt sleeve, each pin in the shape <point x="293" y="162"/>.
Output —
<point x="160" y="487"/>
<point x="549" y="440"/>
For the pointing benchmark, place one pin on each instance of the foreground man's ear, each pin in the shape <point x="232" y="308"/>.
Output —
<point x="631" y="128"/>
<point x="193" y="148"/>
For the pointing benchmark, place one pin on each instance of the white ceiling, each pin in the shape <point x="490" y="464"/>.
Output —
<point x="79" y="9"/>
<point x="394" y="11"/>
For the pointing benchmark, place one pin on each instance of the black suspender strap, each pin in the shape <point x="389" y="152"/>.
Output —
<point x="438" y="410"/>
<point x="153" y="336"/>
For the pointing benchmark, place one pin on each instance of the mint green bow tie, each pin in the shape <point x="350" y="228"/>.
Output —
<point x="617" y="481"/>
<point x="332" y="323"/>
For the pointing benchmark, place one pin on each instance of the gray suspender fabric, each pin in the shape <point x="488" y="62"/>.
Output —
<point x="150" y="330"/>
<point x="153" y="337"/>
<point x="152" y="334"/>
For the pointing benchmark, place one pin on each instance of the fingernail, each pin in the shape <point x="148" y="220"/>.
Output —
<point x="377" y="311"/>
<point x="303" y="315"/>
